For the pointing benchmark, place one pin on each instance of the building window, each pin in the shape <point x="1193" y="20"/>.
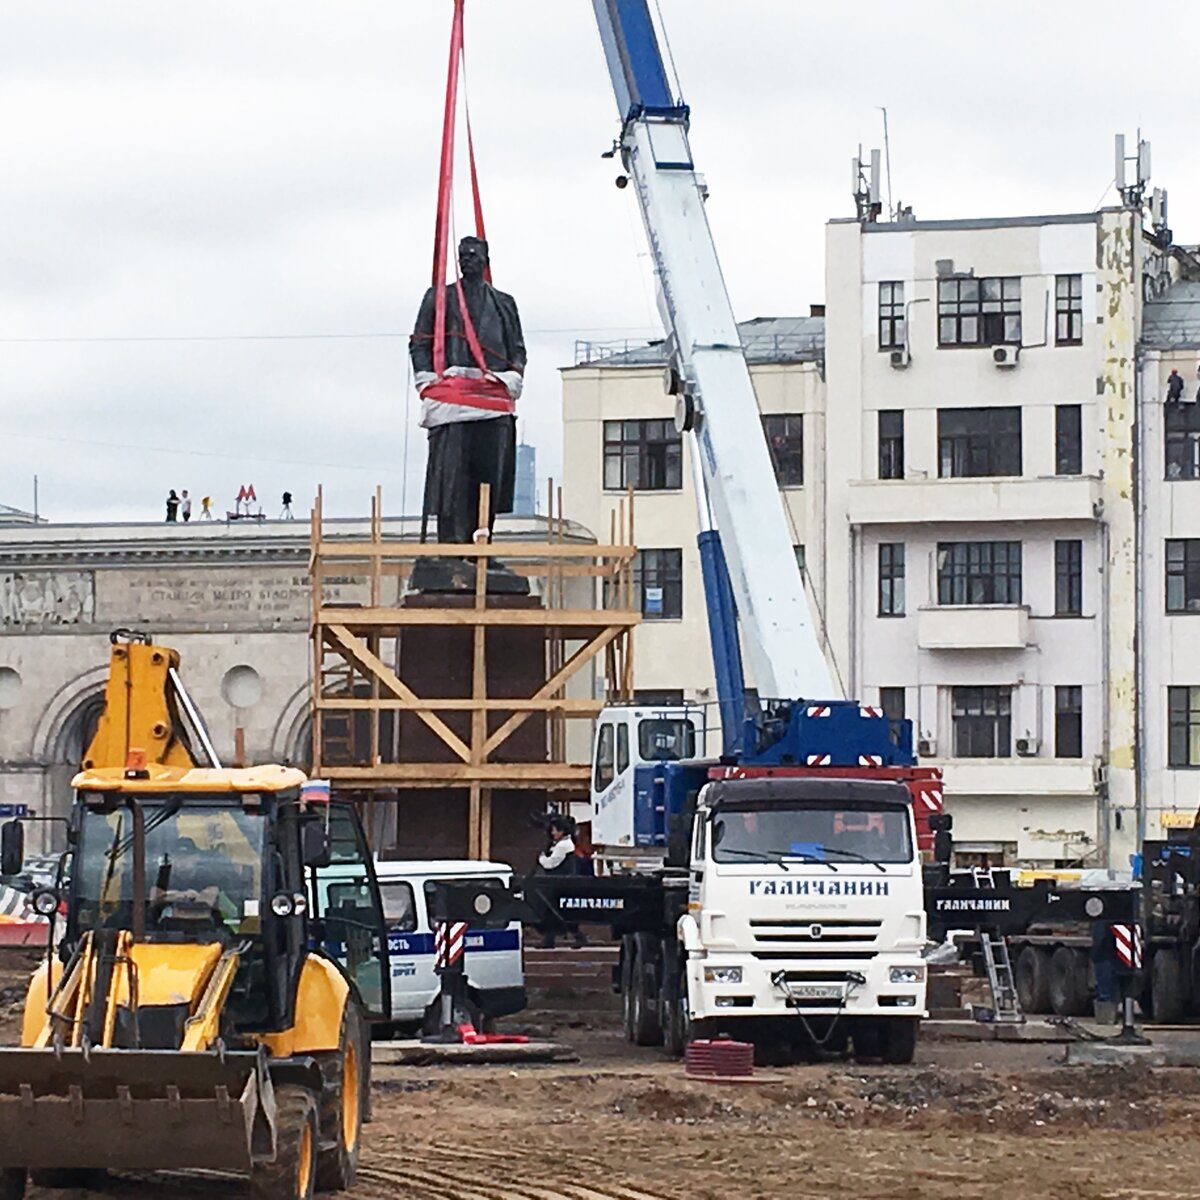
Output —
<point x="1183" y="727"/>
<point x="1068" y="310"/>
<point x="785" y="437"/>
<point x="979" y="573"/>
<point x="801" y="561"/>
<point x="658" y="697"/>
<point x="892" y="334"/>
<point x="979" y="312"/>
<point x="1183" y="575"/>
<point x="1182" y="450"/>
<point x="1068" y="578"/>
<point x="1068" y="722"/>
<point x="982" y="720"/>
<point x="1068" y="439"/>
<point x="891" y="700"/>
<point x="891" y="444"/>
<point x="645" y="455"/>
<point x="979" y="441"/>
<point x="658" y="580"/>
<point x="891" y="579"/>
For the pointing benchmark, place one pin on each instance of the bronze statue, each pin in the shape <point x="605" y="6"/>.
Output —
<point x="469" y="410"/>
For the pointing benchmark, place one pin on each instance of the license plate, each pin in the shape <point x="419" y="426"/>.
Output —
<point x="816" y="991"/>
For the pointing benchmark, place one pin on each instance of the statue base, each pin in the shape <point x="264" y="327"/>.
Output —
<point x="457" y="575"/>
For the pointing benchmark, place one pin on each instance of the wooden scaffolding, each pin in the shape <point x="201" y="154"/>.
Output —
<point x="375" y="644"/>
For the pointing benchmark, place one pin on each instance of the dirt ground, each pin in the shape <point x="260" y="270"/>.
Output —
<point x="966" y="1120"/>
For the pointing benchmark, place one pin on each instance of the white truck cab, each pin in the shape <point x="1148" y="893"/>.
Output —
<point x="806" y="904"/>
<point x="495" y="976"/>
<point x="628" y="817"/>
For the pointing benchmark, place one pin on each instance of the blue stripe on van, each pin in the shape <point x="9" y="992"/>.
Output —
<point x="477" y="939"/>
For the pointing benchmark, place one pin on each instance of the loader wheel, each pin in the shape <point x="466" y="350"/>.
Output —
<point x="342" y="1101"/>
<point x="293" y="1173"/>
<point x="12" y="1183"/>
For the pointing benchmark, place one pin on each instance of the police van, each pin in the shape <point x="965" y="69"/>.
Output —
<point x="495" y="978"/>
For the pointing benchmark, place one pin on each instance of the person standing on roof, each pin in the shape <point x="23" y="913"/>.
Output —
<point x="185" y="506"/>
<point x="1174" y="387"/>
<point x="172" y="507"/>
<point x="472" y="432"/>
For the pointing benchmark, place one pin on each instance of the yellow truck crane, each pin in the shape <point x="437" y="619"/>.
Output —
<point x="207" y="1004"/>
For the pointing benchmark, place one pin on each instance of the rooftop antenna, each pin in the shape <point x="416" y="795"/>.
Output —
<point x="887" y="153"/>
<point x="865" y="186"/>
<point x="1132" y="194"/>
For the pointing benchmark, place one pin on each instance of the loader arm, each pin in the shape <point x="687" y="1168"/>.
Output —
<point x="146" y="710"/>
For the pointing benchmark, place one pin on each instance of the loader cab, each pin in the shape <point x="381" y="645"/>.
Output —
<point x="231" y="870"/>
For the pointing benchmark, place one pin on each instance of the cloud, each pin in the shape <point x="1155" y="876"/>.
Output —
<point x="212" y="169"/>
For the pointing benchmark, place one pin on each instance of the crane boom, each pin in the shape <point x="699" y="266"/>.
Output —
<point x="717" y="397"/>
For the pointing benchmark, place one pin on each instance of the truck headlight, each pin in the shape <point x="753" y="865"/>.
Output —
<point x="722" y="974"/>
<point x="906" y="975"/>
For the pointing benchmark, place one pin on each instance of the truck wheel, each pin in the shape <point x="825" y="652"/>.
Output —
<point x="1033" y="980"/>
<point x="692" y="1029"/>
<point x="1068" y="982"/>
<point x="867" y="1038"/>
<point x="292" y="1175"/>
<point x="12" y="1183"/>
<point x="900" y="1039"/>
<point x="672" y="1004"/>
<point x="628" y="977"/>
<point x="344" y="1088"/>
<point x="1167" y="987"/>
<point x="647" y="1027"/>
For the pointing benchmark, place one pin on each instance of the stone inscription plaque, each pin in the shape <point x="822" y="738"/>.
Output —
<point x="252" y="594"/>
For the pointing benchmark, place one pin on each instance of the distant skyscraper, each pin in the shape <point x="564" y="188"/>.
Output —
<point x="525" y="492"/>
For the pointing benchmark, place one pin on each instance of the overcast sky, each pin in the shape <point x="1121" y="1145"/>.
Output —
<point x="194" y="196"/>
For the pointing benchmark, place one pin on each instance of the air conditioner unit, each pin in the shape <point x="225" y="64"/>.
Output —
<point x="1027" y="747"/>
<point x="926" y="748"/>
<point x="900" y="358"/>
<point x="1006" y="356"/>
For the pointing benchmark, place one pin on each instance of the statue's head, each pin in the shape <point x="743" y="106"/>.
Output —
<point x="472" y="257"/>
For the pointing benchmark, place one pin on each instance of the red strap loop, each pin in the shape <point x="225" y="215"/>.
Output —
<point x="445" y="205"/>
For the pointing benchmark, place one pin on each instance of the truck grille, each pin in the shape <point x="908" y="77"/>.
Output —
<point x="834" y="933"/>
<point x="830" y="952"/>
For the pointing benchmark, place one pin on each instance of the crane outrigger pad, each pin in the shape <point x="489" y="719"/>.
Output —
<point x="137" y="1109"/>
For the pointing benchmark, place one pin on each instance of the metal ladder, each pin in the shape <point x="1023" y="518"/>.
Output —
<point x="1006" y="1004"/>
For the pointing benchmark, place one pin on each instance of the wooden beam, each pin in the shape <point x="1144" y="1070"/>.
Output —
<point x="547" y="690"/>
<point x="496" y="775"/>
<point x="530" y="550"/>
<point x="565" y="705"/>
<point x="566" y="618"/>
<point x="380" y="670"/>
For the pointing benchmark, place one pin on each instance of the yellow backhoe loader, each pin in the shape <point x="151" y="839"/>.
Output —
<point x="206" y="1005"/>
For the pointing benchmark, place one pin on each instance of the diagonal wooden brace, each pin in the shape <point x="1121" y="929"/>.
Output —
<point x="362" y="655"/>
<point x="582" y="655"/>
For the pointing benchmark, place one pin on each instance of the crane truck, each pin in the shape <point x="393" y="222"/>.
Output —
<point x="206" y="1004"/>
<point x="776" y="890"/>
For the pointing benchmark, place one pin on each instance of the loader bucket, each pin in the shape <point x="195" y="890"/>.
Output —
<point x="136" y="1109"/>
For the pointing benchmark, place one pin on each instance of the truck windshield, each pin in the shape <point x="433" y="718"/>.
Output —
<point x="666" y="739"/>
<point x="203" y="867"/>
<point x="822" y="832"/>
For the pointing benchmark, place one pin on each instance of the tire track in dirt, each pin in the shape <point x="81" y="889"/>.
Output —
<point x="445" y="1179"/>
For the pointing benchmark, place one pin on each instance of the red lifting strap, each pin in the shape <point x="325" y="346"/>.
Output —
<point x="445" y="205"/>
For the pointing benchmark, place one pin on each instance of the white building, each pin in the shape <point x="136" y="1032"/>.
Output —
<point x="956" y="441"/>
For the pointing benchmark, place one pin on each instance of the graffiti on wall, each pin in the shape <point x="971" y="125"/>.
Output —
<point x="34" y="598"/>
